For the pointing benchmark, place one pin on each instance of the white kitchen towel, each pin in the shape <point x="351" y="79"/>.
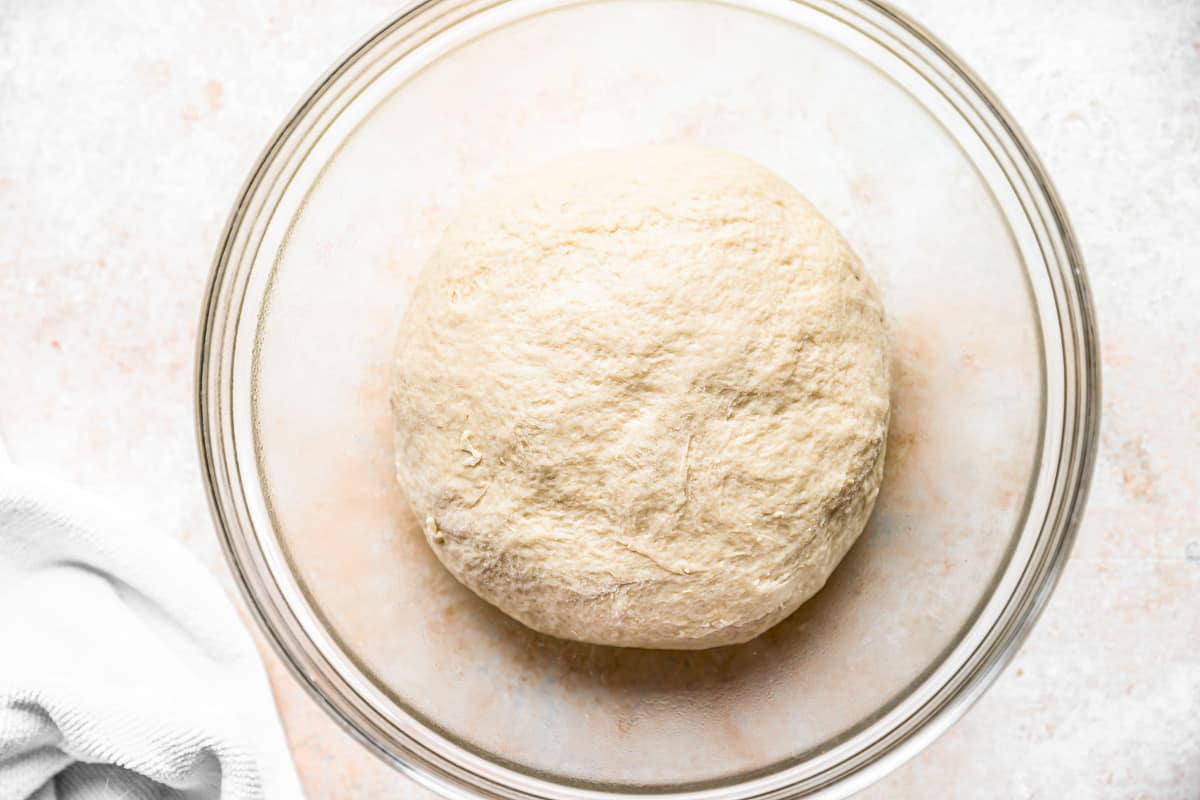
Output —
<point x="124" y="670"/>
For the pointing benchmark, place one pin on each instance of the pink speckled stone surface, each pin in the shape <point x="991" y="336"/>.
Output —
<point x="126" y="129"/>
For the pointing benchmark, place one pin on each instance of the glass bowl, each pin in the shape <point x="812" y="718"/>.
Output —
<point x="996" y="393"/>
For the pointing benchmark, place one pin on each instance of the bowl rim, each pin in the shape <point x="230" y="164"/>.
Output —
<point x="1072" y="485"/>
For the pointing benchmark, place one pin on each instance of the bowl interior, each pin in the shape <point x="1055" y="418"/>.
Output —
<point x="886" y="158"/>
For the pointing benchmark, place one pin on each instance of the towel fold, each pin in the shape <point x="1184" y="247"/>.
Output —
<point x="124" y="670"/>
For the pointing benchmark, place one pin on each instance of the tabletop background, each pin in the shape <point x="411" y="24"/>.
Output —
<point x="127" y="126"/>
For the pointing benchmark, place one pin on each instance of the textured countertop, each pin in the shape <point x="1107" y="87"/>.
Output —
<point x="126" y="129"/>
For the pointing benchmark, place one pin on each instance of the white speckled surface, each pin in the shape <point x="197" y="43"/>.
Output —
<point x="126" y="129"/>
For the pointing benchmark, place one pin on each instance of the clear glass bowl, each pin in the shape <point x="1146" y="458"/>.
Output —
<point x="996" y="395"/>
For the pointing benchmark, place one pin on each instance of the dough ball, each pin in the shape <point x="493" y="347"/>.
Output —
<point x="640" y="398"/>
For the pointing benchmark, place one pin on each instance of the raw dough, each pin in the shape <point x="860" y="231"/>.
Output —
<point x="640" y="398"/>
